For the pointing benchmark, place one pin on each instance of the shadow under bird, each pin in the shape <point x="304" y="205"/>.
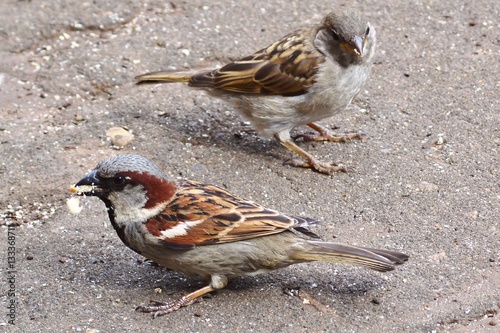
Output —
<point x="308" y="75"/>
<point x="206" y="232"/>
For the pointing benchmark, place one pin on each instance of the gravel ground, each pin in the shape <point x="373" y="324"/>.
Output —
<point x="425" y="182"/>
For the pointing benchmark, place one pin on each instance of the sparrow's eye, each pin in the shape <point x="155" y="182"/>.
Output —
<point x="334" y="34"/>
<point x="367" y="31"/>
<point x="118" y="180"/>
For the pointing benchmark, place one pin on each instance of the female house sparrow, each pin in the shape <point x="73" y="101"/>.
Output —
<point x="204" y="231"/>
<point x="304" y="77"/>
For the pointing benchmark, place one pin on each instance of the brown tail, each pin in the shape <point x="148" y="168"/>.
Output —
<point x="379" y="260"/>
<point x="164" y="76"/>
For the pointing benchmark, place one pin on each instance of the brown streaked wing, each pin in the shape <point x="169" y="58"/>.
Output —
<point x="287" y="67"/>
<point x="212" y="215"/>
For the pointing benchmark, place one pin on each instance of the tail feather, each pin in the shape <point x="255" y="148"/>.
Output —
<point x="164" y="76"/>
<point x="379" y="260"/>
<point x="394" y="256"/>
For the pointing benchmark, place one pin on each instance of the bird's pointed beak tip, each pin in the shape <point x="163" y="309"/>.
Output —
<point x="357" y="44"/>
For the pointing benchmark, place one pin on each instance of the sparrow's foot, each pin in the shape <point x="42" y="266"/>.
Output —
<point x="317" y="165"/>
<point x="324" y="134"/>
<point x="307" y="161"/>
<point x="330" y="136"/>
<point x="163" y="308"/>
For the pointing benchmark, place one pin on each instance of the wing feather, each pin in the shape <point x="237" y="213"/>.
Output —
<point x="203" y="214"/>
<point x="287" y="67"/>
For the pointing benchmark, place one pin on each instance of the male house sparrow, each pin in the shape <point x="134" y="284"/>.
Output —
<point x="204" y="231"/>
<point x="302" y="78"/>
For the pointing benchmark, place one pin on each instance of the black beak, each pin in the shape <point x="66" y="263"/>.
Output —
<point x="91" y="184"/>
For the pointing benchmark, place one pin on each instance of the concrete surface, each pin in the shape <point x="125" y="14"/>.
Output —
<point x="425" y="182"/>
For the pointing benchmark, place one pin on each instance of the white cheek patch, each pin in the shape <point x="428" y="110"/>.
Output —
<point x="180" y="229"/>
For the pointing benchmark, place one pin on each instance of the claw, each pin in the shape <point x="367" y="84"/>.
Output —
<point x="332" y="137"/>
<point x="321" y="167"/>
<point x="163" y="308"/>
<point x="325" y="134"/>
<point x="308" y="160"/>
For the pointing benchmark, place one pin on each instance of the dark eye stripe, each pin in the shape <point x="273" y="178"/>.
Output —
<point x="334" y="34"/>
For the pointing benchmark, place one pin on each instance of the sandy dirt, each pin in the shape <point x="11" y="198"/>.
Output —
<point x="426" y="181"/>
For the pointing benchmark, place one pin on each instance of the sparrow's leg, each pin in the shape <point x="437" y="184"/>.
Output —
<point x="163" y="308"/>
<point x="326" y="135"/>
<point x="309" y="161"/>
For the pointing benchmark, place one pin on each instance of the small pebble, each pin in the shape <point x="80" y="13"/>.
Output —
<point x="94" y="260"/>
<point x="119" y="136"/>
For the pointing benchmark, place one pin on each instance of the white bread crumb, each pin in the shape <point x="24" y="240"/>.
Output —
<point x="73" y="204"/>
